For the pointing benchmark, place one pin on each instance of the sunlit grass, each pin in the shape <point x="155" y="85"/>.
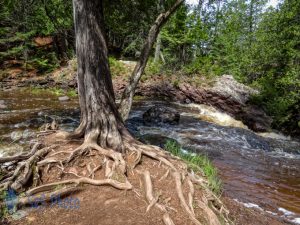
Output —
<point x="54" y="91"/>
<point x="72" y="93"/>
<point x="197" y="163"/>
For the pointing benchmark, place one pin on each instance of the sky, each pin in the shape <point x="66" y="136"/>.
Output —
<point x="270" y="3"/>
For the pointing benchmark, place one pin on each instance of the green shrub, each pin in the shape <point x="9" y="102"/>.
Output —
<point x="117" y="68"/>
<point x="72" y="93"/>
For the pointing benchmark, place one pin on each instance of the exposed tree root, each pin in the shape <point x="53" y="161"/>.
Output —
<point x="211" y="216"/>
<point x="83" y="180"/>
<point x="190" y="213"/>
<point x="115" y="171"/>
<point x="191" y="195"/>
<point x="153" y="200"/>
<point x="21" y="156"/>
<point x="167" y="220"/>
<point x="47" y="195"/>
<point x="24" y="170"/>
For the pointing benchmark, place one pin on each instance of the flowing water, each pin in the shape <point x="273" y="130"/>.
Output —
<point x="259" y="170"/>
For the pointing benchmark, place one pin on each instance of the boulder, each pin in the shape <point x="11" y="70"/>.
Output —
<point x="72" y="83"/>
<point x="228" y="87"/>
<point x="2" y="104"/>
<point x="161" y="114"/>
<point x="156" y="139"/>
<point x="64" y="98"/>
<point x="16" y="135"/>
<point x="255" y="118"/>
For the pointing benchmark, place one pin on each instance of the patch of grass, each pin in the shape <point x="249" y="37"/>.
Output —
<point x="72" y="93"/>
<point x="38" y="91"/>
<point x="117" y="68"/>
<point x="3" y="209"/>
<point x="3" y="75"/>
<point x="138" y="98"/>
<point x="176" y="83"/>
<point x="197" y="163"/>
<point x="56" y="91"/>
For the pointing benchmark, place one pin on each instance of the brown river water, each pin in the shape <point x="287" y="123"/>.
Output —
<point x="261" y="171"/>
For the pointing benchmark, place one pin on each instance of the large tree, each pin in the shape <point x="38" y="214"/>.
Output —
<point x="100" y="120"/>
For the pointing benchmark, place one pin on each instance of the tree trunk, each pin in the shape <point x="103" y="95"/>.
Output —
<point x="127" y="97"/>
<point x="157" y="49"/>
<point x="100" y="120"/>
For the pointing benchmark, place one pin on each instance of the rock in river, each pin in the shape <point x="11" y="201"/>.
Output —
<point x="161" y="114"/>
<point x="2" y="104"/>
<point x="64" y="98"/>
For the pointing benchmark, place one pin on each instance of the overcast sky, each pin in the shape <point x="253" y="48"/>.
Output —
<point x="271" y="2"/>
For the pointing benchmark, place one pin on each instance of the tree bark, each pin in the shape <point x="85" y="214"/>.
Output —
<point x="100" y="120"/>
<point x="127" y="97"/>
<point x="157" y="49"/>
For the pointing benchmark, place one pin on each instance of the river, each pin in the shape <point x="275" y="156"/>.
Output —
<point x="261" y="171"/>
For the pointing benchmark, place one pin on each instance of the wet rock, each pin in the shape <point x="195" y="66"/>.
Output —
<point x="10" y="149"/>
<point x="161" y="114"/>
<point x="49" y="126"/>
<point x="16" y="135"/>
<point x="42" y="82"/>
<point x="255" y="118"/>
<point x="258" y="143"/>
<point x="64" y="98"/>
<point x="68" y="120"/>
<point x="37" y="122"/>
<point x="254" y="141"/>
<point x="156" y="139"/>
<point x="27" y="134"/>
<point x="72" y="83"/>
<point x="2" y="104"/>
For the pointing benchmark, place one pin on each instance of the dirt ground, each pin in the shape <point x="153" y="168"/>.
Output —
<point x="106" y="205"/>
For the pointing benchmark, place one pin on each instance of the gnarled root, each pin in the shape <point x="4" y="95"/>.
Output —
<point x="115" y="175"/>
<point x="24" y="170"/>
<point x="190" y="213"/>
<point x="82" y="180"/>
<point x="210" y="215"/>
<point x="48" y="196"/>
<point x="152" y="200"/>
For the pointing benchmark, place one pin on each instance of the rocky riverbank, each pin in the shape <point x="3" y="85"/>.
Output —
<point x="224" y="93"/>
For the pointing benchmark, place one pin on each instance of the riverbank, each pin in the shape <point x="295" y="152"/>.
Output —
<point x="106" y="202"/>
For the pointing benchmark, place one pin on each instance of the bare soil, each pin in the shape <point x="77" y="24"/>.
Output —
<point x="107" y="205"/>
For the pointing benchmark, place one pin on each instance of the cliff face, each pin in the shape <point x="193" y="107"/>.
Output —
<point x="226" y="94"/>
